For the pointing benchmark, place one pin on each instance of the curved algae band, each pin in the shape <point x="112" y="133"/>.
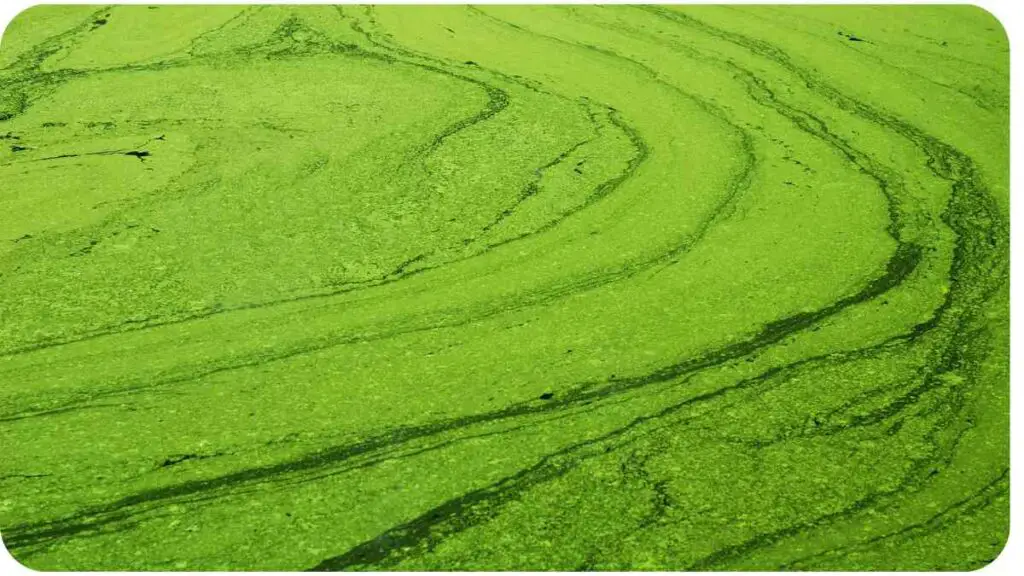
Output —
<point x="504" y="288"/>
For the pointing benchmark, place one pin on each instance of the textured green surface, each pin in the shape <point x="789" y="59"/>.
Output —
<point x="504" y="287"/>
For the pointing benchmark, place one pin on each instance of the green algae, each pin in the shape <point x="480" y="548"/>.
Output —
<point x="537" y="287"/>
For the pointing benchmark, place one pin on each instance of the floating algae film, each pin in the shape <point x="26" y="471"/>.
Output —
<point x="504" y="288"/>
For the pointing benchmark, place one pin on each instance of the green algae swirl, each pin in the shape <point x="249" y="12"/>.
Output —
<point x="504" y="288"/>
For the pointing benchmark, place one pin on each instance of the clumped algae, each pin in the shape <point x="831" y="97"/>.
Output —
<point x="504" y="288"/>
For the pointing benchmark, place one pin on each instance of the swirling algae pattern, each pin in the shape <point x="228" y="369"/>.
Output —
<point x="520" y="287"/>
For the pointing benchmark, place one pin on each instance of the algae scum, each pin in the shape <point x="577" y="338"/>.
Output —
<point x="536" y="287"/>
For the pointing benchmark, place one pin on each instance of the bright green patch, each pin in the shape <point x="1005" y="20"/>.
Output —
<point x="504" y="288"/>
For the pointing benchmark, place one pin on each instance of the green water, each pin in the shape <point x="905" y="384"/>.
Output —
<point x="504" y="288"/>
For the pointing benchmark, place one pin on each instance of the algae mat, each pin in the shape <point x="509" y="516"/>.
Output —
<point x="535" y="287"/>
